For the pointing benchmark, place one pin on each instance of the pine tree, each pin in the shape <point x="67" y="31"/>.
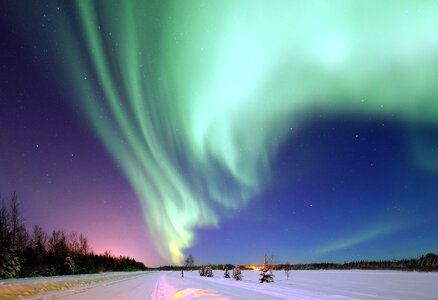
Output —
<point x="266" y="272"/>
<point x="9" y="256"/>
<point x="226" y="274"/>
<point x="202" y="271"/>
<point x="9" y="262"/>
<point x="237" y="274"/>
<point x="208" y="271"/>
<point x="70" y="265"/>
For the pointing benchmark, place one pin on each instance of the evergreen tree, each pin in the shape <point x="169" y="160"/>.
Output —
<point x="202" y="271"/>
<point x="9" y="256"/>
<point x="226" y="274"/>
<point x="58" y="251"/>
<point x="22" y="254"/>
<point x="237" y="273"/>
<point x="266" y="272"/>
<point x="70" y="265"/>
<point x="9" y="262"/>
<point x="208" y="271"/>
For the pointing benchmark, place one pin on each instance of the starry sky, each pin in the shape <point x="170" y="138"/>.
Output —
<point x="307" y="130"/>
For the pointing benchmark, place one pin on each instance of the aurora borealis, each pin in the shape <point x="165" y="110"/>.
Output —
<point x="321" y="115"/>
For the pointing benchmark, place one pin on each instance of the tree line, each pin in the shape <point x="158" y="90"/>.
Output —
<point x="194" y="267"/>
<point x="36" y="253"/>
<point x="426" y="263"/>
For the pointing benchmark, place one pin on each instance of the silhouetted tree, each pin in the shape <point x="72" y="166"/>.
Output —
<point x="287" y="270"/>
<point x="83" y="245"/>
<point x="38" y="254"/>
<point x="9" y="223"/>
<point x="189" y="262"/>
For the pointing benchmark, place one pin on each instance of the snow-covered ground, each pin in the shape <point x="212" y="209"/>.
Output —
<point x="170" y="285"/>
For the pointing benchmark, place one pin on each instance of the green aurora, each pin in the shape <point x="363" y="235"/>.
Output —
<point x="190" y="97"/>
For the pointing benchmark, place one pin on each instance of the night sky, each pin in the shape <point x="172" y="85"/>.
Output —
<point x="306" y="130"/>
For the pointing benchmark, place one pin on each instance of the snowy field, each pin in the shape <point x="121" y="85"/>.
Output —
<point x="169" y="285"/>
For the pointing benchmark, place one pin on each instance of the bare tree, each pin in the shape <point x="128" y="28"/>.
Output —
<point x="39" y="246"/>
<point x="287" y="269"/>
<point x="19" y="235"/>
<point x="73" y="243"/>
<point x="271" y="261"/>
<point x="83" y="245"/>
<point x="39" y="239"/>
<point x="4" y="223"/>
<point x="58" y="243"/>
<point x="15" y="219"/>
<point x="189" y="262"/>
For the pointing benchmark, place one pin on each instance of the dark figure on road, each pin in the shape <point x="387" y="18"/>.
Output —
<point x="182" y="271"/>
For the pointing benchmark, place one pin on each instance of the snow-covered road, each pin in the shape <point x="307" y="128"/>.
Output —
<point x="306" y="285"/>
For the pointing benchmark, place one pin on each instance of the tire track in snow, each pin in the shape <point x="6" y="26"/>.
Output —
<point x="163" y="290"/>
